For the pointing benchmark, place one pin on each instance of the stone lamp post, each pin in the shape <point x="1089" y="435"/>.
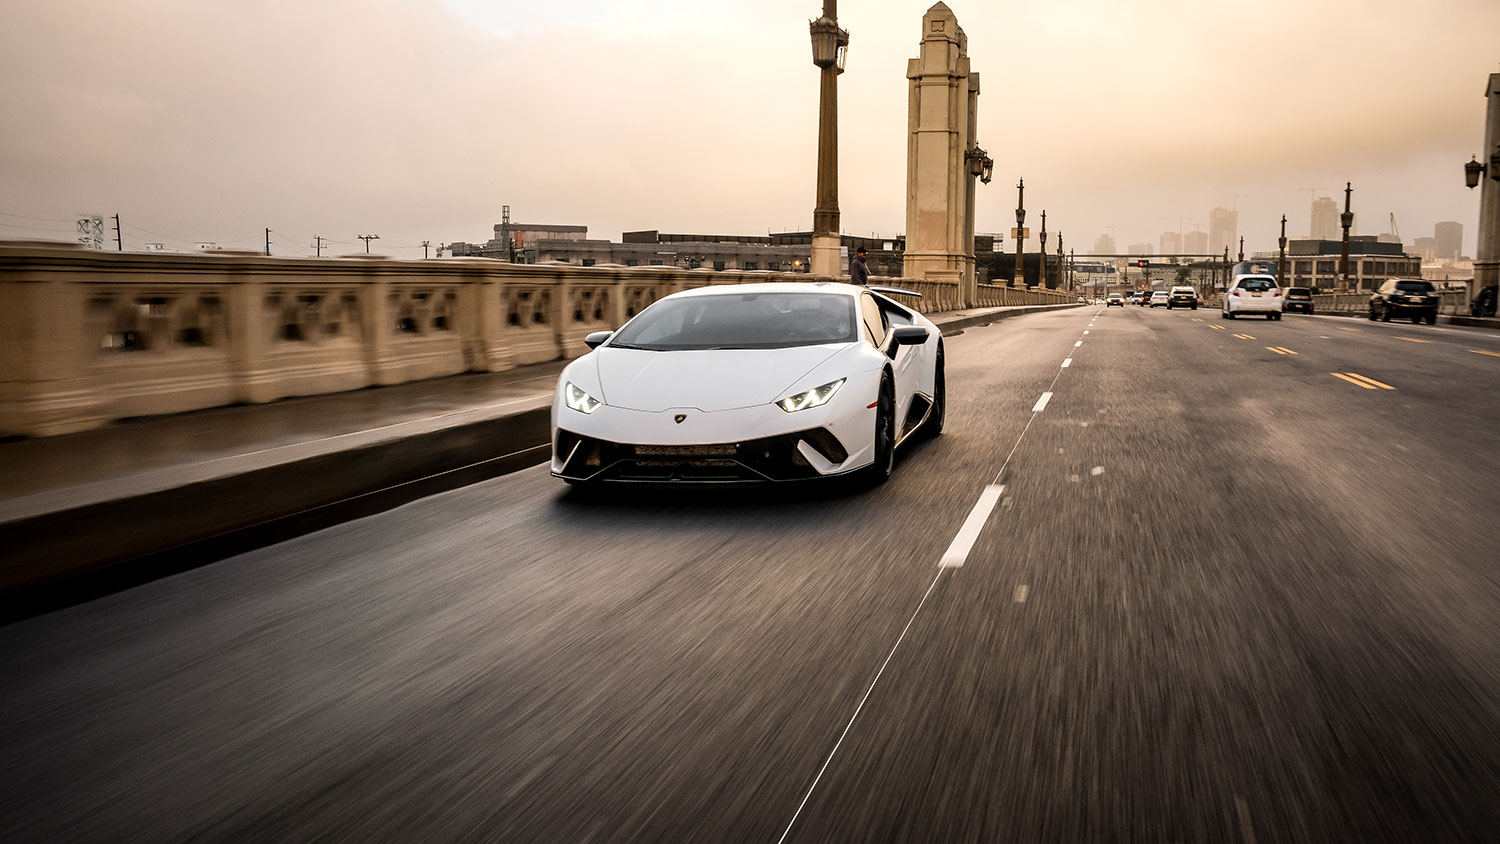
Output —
<point x="1487" y="255"/>
<point x="830" y="45"/>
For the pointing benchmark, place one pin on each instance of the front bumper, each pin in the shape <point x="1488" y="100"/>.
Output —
<point x="783" y="457"/>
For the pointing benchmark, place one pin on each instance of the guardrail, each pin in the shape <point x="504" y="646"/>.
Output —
<point x="97" y="336"/>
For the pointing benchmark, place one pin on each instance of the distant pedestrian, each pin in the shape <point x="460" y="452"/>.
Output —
<point x="859" y="271"/>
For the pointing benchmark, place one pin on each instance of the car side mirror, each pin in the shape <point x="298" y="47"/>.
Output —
<point x="597" y="338"/>
<point x="907" y="335"/>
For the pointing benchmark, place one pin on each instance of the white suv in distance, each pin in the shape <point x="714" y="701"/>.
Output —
<point x="1252" y="294"/>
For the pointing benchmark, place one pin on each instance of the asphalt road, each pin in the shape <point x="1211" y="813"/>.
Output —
<point x="1223" y="595"/>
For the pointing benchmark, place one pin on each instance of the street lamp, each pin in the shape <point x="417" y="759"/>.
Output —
<point x="981" y="166"/>
<point x="1281" y="257"/>
<point x="830" y="46"/>
<point x="1473" y="170"/>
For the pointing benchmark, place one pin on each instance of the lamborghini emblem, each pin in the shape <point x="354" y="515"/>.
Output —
<point x="679" y="418"/>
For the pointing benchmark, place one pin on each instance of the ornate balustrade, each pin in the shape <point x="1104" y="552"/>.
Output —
<point x="90" y="336"/>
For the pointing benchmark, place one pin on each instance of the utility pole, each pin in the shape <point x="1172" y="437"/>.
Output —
<point x="425" y="243"/>
<point x="318" y="245"/>
<point x="268" y="243"/>
<point x="119" y="242"/>
<point x="369" y="237"/>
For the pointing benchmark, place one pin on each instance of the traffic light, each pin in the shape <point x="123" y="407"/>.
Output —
<point x="1142" y="262"/>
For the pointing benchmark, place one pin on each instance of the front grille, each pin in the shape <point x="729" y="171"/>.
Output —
<point x="766" y="459"/>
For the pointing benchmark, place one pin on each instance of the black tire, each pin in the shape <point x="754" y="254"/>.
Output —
<point x="879" y="472"/>
<point x="1195" y="307"/>
<point x="1432" y="318"/>
<point x="1229" y="314"/>
<point x="1385" y="314"/>
<point x="934" y="424"/>
<point x="1372" y="313"/>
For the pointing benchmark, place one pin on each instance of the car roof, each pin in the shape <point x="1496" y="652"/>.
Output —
<point x="774" y="287"/>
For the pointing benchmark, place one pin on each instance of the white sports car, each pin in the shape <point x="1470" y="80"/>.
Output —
<point x="750" y="382"/>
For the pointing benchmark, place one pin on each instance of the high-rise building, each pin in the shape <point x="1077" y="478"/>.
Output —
<point x="1105" y="245"/>
<point x="1426" y="248"/>
<point x="1171" y="243"/>
<point x="1325" y="219"/>
<point x="1223" y="230"/>
<point x="1450" y="238"/>
<point x="1195" y="243"/>
<point x="1142" y="249"/>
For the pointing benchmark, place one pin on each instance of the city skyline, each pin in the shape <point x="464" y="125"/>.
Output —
<point x="418" y="120"/>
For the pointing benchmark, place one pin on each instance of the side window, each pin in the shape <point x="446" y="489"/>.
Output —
<point x="874" y="318"/>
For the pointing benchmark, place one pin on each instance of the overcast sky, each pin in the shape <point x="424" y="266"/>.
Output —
<point x="208" y="120"/>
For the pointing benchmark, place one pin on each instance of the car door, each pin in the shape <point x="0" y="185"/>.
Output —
<point x="879" y="325"/>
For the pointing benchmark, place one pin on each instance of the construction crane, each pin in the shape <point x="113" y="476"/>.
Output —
<point x="1395" y="231"/>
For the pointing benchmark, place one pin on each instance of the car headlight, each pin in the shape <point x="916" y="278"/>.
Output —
<point x="579" y="400"/>
<point x="812" y="398"/>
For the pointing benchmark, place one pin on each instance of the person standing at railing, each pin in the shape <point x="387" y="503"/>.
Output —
<point x="859" y="271"/>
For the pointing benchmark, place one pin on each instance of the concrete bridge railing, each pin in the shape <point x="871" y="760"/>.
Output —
<point x="90" y="337"/>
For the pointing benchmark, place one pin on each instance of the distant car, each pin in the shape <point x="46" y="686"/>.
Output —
<point x="1159" y="298"/>
<point x="1252" y="294"/>
<point x="1114" y="299"/>
<point x="1298" y="299"/>
<point x="1184" y="296"/>
<point x="1404" y="297"/>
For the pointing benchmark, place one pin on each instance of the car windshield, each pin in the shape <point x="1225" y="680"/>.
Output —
<point x="1414" y="287"/>
<point x="740" y="321"/>
<point x="1256" y="285"/>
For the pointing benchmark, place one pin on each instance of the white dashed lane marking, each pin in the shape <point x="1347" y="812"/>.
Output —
<point x="1067" y="363"/>
<point x="1041" y="403"/>
<point x="963" y="543"/>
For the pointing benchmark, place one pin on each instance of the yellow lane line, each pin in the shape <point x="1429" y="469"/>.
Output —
<point x="1491" y="354"/>
<point x="1413" y="340"/>
<point x="1281" y="350"/>
<point x="1350" y="380"/>
<point x="1274" y="349"/>
<point x="1365" y="379"/>
<point x="1342" y="328"/>
<point x="1218" y="328"/>
<point x="1244" y="336"/>
<point x="1195" y="319"/>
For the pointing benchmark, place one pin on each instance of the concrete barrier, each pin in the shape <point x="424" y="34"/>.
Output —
<point x="98" y="336"/>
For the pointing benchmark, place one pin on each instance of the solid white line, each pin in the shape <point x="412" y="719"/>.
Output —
<point x="1021" y="593"/>
<point x="1079" y="343"/>
<point x="963" y="543"/>
<point x="1067" y="363"/>
<point x="1041" y="403"/>
<point x="848" y="726"/>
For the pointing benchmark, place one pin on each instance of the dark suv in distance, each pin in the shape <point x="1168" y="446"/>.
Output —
<point x="1405" y="297"/>
<point x="1298" y="299"/>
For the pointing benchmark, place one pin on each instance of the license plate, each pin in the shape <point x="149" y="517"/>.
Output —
<point x="684" y="451"/>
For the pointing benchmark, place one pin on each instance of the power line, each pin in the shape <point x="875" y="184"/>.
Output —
<point x="37" y="219"/>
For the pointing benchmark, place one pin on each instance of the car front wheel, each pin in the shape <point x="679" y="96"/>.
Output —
<point x="885" y="435"/>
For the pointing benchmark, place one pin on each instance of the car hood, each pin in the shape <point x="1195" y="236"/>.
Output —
<point x="709" y="380"/>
